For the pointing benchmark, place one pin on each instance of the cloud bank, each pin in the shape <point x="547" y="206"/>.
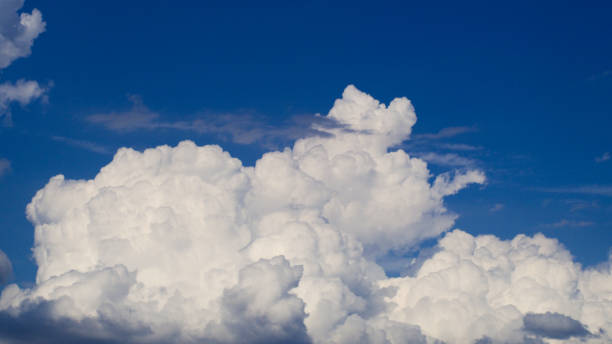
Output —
<point x="185" y="244"/>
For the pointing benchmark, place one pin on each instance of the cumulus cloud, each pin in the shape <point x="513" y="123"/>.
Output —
<point x="17" y="34"/>
<point x="17" y="31"/>
<point x="22" y="92"/>
<point x="185" y="244"/>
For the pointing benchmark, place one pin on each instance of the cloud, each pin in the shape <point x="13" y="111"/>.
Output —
<point x="604" y="157"/>
<point x="448" y="159"/>
<point x="186" y="244"/>
<point x="477" y="287"/>
<point x="599" y="190"/>
<point x="5" y="166"/>
<point x="553" y="325"/>
<point x="17" y="31"/>
<point x="84" y="144"/>
<point x="497" y="207"/>
<point x="23" y="92"/>
<point x="459" y="147"/>
<point x="568" y="223"/>
<point x="6" y="268"/>
<point x="17" y="34"/>
<point x="241" y="128"/>
<point x="446" y="133"/>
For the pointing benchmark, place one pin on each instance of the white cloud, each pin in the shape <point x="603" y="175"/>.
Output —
<point x="84" y="144"/>
<point x="185" y="244"/>
<point x="447" y="159"/>
<point x="5" y="166"/>
<point x="17" y="34"/>
<point x="17" y="31"/>
<point x="23" y="92"/>
<point x="241" y="128"/>
<point x="604" y="157"/>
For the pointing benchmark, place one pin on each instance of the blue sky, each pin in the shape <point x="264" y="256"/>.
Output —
<point x="523" y="92"/>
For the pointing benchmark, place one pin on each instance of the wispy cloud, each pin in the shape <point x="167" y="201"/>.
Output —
<point x="578" y="204"/>
<point x="5" y="166"/>
<point x="601" y="190"/>
<point x="497" y="207"/>
<point x="446" y="133"/>
<point x="604" y="157"/>
<point x="87" y="145"/>
<point x="459" y="147"/>
<point x="447" y="159"/>
<point x="568" y="223"/>
<point x="241" y="128"/>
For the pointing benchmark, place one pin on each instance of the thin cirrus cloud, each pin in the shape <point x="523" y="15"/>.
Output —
<point x="186" y="244"/>
<point x="447" y="159"/>
<point x="568" y="223"/>
<point x="83" y="144"/>
<point x="17" y="35"/>
<point x="599" y="190"/>
<point x="241" y="128"/>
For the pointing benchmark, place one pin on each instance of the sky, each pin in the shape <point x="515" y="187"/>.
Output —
<point x="512" y="105"/>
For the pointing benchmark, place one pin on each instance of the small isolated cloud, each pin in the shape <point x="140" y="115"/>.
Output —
<point x="447" y="159"/>
<point x="554" y="326"/>
<point x="6" y="269"/>
<point x="84" y="144"/>
<point x="23" y="92"/>
<point x="446" y="133"/>
<point x="17" y="31"/>
<point x="241" y="128"/>
<point x="497" y="207"/>
<point x="604" y="157"/>
<point x="568" y="223"/>
<point x="5" y="166"/>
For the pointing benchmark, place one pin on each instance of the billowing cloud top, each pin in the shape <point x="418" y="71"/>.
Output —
<point x="17" y="32"/>
<point x="185" y="244"/>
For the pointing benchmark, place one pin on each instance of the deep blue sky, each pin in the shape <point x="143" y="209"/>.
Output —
<point x="531" y="86"/>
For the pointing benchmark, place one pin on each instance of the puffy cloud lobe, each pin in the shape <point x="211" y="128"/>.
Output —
<point x="23" y="92"/>
<point x="17" y="31"/>
<point x="476" y="287"/>
<point x="185" y="244"/>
